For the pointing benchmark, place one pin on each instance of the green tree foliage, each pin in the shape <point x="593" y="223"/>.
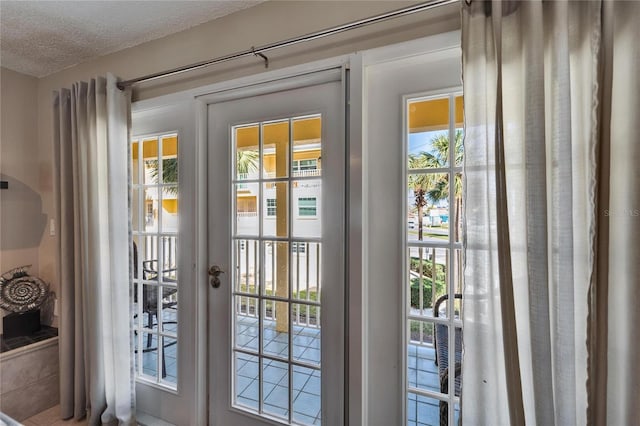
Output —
<point x="247" y="161"/>
<point x="435" y="187"/>
<point x="169" y="172"/>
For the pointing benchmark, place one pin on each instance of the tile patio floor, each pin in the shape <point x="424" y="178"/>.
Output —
<point x="422" y="373"/>
<point x="150" y="357"/>
<point x="275" y="387"/>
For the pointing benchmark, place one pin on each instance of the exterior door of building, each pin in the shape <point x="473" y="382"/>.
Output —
<point x="164" y="284"/>
<point x="276" y="182"/>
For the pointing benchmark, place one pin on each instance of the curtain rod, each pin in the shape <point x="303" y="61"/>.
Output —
<point x="257" y="51"/>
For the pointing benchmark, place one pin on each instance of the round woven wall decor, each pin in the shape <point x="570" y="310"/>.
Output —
<point x="20" y="292"/>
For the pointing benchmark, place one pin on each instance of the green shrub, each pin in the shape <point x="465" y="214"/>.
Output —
<point x="427" y="287"/>
<point x="427" y="268"/>
<point x="415" y="293"/>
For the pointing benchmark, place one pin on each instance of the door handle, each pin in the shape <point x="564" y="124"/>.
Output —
<point x="214" y="273"/>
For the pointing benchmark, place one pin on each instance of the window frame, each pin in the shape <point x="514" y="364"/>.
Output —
<point x="452" y="246"/>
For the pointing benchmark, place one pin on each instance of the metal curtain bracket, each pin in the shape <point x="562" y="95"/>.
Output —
<point x="262" y="55"/>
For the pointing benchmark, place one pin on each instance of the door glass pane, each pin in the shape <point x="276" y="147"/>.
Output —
<point x="306" y="271"/>
<point x="275" y="388"/>
<point x="422" y="410"/>
<point x="275" y="209"/>
<point x="150" y="355"/>
<point x="246" y="323"/>
<point x="277" y="274"/>
<point x="246" y="197"/>
<point x="275" y="329"/>
<point x="155" y="258"/>
<point x="169" y="159"/>
<point x="427" y="281"/>
<point x="306" y="407"/>
<point x="428" y="133"/>
<point x="276" y="269"/>
<point x="246" y="382"/>
<point x="275" y="149"/>
<point x="307" y="147"/>
<point x="151" y="172"/>
<point x="149" y="211"/>
<point x="428" y="207"/>
<point x="247" y="152"/>
<point x="170" y="354"/>
<point x="307" y="199"/>
<point x="307" y="333"/>
<point x="246" y="255"/>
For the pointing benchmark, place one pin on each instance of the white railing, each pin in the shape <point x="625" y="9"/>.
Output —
<point x="305" y="264"/>
<point x="169" y="248"/>
<point x="271" y="175"/>
<point x="305" y="173"/>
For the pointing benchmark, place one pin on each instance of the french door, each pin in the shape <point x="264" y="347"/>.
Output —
<point x="276" y="252"/>
<point x="164" y="286"/>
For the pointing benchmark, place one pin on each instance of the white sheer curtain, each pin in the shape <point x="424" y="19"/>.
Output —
<point x="552" y="212"/>
<point x="91" y="123"/>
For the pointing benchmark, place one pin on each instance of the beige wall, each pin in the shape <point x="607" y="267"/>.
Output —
<point x="21" y="212"/>
<point x="268" y="22"/>
<point x="22" y="221"/>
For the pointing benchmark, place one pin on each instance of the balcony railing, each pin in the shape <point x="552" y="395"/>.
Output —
<point x="305" y="277"/>
<point x="271" y="175"/>
<point x="169" y="250"/>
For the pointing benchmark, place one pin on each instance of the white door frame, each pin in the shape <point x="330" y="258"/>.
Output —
<point x="359" y="270"/>
<point x="154" y="400"/>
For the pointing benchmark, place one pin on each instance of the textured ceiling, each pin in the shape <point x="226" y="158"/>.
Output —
<point x="41" y="37"/>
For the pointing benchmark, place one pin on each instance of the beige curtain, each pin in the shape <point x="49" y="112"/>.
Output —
<point x="91" y="141"/>
<point x="552" y="200"/>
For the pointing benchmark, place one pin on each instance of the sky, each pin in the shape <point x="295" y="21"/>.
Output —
<point x="419" y="142"/>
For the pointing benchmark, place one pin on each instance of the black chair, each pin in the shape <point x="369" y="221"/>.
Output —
<point x="441" y="343"/>
<point x="150" y="299"/>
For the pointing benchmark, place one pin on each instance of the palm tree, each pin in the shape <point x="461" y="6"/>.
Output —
<point x="169" y="172"/>
<point x="247" y="161"/>
<point x="440" y="189"/>
<point x="435" y="187"/>
<point x="421" y="183"/>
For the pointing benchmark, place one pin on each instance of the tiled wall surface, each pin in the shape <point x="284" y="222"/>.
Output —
<point x="29" y="382"/>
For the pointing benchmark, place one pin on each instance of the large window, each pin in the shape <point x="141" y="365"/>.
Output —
<point x="154" y="244"/>
<point x="433" y="272"/>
